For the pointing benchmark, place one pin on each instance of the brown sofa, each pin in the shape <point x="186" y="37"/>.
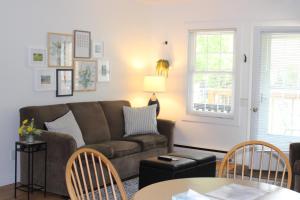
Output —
<point x="102" y="127"/>
<point x="295" y="164"/>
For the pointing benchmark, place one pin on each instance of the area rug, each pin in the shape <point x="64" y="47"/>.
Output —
<point x="131" y="187"/>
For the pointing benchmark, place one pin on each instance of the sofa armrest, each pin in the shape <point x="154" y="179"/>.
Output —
<point x="59" y="145"/>
<point x="294" y="155"/>
<point x="166" y="127"/>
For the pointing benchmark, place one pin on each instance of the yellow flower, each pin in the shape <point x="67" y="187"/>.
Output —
<point x="20" y="130"/>
<point x="29" y="129"/>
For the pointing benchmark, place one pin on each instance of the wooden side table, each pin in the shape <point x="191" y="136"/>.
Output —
<point x="30" y="149"/>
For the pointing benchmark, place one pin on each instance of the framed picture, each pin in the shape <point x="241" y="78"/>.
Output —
<point x="103" y="71"/>
<point x="37" y="57"/>
<point x="60" y="50"/>
<point x="64" y="82"/>
<point x="82" y="44"/>
<point x="98" y="49"/>
<point x="44" y="79"/>
<point x="85" y="75"/>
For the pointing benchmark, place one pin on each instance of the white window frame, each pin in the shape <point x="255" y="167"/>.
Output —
<point x="231" y="118"/>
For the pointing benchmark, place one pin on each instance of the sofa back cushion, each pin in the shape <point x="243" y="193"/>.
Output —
<point x="114" y="114"/>
<point x="91" y="120"/>
<point x="42" y="114"/>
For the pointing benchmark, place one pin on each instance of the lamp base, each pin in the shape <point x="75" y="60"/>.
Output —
<point x="153" y="100"/>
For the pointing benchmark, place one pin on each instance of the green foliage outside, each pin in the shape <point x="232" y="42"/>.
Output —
<point x="214" y="53"/>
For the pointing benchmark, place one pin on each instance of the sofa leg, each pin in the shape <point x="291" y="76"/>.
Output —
<point x="296" y="183"/>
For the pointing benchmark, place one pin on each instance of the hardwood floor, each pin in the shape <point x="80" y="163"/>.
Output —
<point x="7" y="193"/>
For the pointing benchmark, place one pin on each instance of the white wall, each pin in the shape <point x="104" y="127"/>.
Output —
<point x="171" y="21"/>
<point x="123" y="25"/>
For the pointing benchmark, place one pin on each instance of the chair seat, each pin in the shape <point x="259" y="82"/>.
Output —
<point x="116" y="148"/>
<point x="149" y="141"/>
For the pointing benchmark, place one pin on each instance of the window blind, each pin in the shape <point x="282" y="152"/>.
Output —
<point x="277" y="89"/>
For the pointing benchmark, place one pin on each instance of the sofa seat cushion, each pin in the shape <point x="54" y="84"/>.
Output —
<point x="116" y="148"/>
<point x="297" y="167"/>
<point x="102" y="148"/>
<point x="149" y="141"/>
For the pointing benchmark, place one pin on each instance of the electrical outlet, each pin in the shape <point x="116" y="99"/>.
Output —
<point x="12" y="155"/>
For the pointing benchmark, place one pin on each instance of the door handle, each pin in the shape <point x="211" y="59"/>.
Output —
<point x="254" y="109"/>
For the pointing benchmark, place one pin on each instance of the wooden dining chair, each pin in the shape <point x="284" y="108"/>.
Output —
<point x="91" y="176"/>
<point x="257" y="161"/>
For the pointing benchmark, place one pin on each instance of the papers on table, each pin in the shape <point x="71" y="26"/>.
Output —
<point x="227" y="192"/>
<point x="236" y="192"/>
<point x="190" y="195"/>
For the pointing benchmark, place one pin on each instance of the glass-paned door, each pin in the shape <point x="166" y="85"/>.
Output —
<point x="276" y="89"/>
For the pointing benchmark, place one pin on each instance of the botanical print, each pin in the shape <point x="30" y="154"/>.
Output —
<point x="37" y="57"/>
<point x="85" y="75"/>
<point x="60" y="47"/>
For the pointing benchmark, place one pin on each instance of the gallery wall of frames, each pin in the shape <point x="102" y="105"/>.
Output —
<point x="69" y="63"/>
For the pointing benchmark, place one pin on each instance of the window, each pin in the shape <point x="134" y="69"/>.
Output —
<point x="211" y="72"/>
<point x="278" y="88"/>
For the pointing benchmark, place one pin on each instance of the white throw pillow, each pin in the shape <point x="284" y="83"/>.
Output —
<point x="140" y="120"/>
<point x="67" y="124"/>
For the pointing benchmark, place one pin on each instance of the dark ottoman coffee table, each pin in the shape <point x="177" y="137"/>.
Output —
<point x="153" y="170"/>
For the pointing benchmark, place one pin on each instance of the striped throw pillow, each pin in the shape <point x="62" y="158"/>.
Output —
<point x="140" y="120"/>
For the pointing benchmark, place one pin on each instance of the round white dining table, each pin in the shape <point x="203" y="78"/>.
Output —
<point x="166" y="189"/>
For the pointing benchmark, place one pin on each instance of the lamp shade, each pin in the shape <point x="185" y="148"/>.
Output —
<point x="154" y="84"/>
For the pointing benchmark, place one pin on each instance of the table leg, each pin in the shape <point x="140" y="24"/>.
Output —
<point x="28" y="175"/>
<point x="32" y="172"/>
<point x="45" y="184"/>
<point x="16" y="165"/>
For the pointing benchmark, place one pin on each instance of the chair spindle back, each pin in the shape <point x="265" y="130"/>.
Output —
<point x="257" y="161"/>
<point x="91" y="176"/>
